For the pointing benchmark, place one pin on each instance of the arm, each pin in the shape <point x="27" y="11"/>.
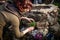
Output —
<point x="15" y="26"/>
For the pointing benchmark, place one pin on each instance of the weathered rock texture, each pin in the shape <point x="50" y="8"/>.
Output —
<point x="46" y="17"/>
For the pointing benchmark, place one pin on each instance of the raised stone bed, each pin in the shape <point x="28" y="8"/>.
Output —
<point x="45" y="17"/>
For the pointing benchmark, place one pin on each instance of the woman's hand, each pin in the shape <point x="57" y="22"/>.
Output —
<point x="28" y="19"/>
<point x="28" y="30"/>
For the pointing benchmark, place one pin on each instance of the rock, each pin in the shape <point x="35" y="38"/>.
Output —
<point x="45" y="16"/>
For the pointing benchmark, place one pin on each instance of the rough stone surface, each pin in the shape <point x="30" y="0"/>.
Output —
<point x="45" y="17"/>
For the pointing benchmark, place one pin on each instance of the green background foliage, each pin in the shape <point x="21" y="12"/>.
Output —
<point x="57" y="3"/>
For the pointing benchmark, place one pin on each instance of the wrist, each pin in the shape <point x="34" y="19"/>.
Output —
<point x="25" y="31"/>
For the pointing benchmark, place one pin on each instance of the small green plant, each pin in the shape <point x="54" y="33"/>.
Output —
<point x="32" y="24"/>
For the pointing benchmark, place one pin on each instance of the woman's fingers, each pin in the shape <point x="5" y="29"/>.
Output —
<point x="28" y="19"/>
<point x="30" y="29"/>
<point x="32" y="20"/>
<point x="25" y="18"/>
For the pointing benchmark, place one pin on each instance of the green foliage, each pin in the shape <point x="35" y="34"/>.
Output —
<point x="57" y="3"/>
<point x="59" y="17"/>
